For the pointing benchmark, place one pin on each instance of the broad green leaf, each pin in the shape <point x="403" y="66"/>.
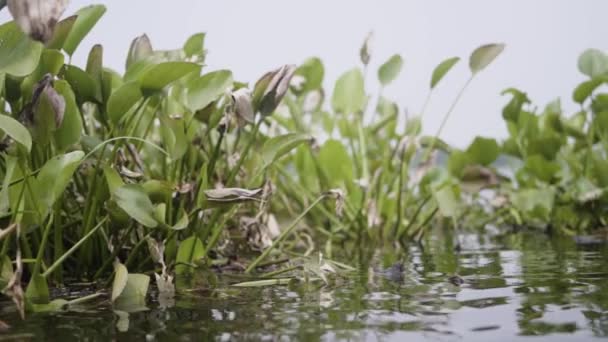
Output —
<point x="62" y="30"/>
<point x="135" y="202"/>
<point x="457" y="161"/>
<point x="160" y="75"/>
<point x="37" y="290"/>
<point x="483" y="56"/>
<point x="182" y="222"/>
<point x="336" y="162"/>
<point x="593" y="63"/>
<point x="83" y="85"/>
<point x="349" y="93"/>
<point x="6" y="271"/>
<point x="442" y="69"/>
<point x="389" y="71"/>
<point x="276" y="147"/>
<point x="112" y="178"/>
<point x="95" y="68"/>
<point x="121" y="275"/>
<point x="312" y="71"/>
<point x="448" y="200"/>
<point x="512" y="110"/>
<point x="87" y="18"/>
<point x="122" y="100"/>
<point x="70" y="131"/>
<point x="133" y="296"/>
<point x="542" y="168"/>
<point x="204" y="90"/>
<point x="195" y="45"/>
<point x="173" y="132"/>
<point x="535" y="203"/>
<point x="585" y="89"/>
<point x="55" y="176"/>
<point x="189" y="251"/>
<point x="483" y="151"/>
<point x="16" y="130"/>
<point x="19" y="55"/>
<point x="55" y="305"/>
<point x="110" y="81"/>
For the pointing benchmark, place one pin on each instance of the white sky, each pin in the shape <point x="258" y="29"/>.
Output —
<point x="543" y="37"/>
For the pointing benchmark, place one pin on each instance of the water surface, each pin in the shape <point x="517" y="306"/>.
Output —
<point x="513" y="288"/>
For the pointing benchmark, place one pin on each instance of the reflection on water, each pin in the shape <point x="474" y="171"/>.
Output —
<point x="512" y="288"/>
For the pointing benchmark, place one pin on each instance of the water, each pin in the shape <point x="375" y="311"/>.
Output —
<point x="515" y="288"/>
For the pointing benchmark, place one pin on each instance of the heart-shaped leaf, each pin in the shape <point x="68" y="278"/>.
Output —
<point x="135" y="202"/>
<point x="16" y="130"/>
<point x="204" y="90"/>
<point x="349" y="93"/>
<point x="19" y="55"/>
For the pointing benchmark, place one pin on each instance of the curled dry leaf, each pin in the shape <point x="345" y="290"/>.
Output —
<point x="243" y="107"/>
<point x="233" y="195"/>
<point x="338" y="194"/>
<point x="365" y="52"/>
<point x="37" y="18"/>
<point x="141" y="47"/>
<point x="260" y="231"/>
<point x="270" y="89"/>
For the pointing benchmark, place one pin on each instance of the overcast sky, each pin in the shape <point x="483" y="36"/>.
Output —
<point x="543" y="38"/>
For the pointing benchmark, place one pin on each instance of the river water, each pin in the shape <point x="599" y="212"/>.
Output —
<point x="517" y="287"/>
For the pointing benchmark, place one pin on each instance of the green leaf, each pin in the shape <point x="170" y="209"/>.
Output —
<point x="55" y="305"/>
<point x="448" y="200"/>
<point x="312" y="71"/>
<point x="202" y="91"/>
<point x="173" y="132"/>
<point x="133" y="296"/>
<point x="83" y="85"/>
<point x="122" y="100"/>
<point x="135" y="202"/>
<point x="70" y="131"/>
<point x="16" y="130"/>
<point x="10" y="163"/>
<point x="483" y="56"/>
<point x="593" y="63"/>
<point x="336" y="162"/>
<point x="542" y="168"/>
<point x="195" y="45"/>
<point x="160" y="75"/>
<point x="121" y="275"/>
<point x="585" y="89"/>
<point x="264" y="282"/>
<point x="62" y="30"/>
<point x="457" y="161"/>
<point x="483" y="151"/>
<point x="389" y="71"/>
<point x="19" y="55"/>
<point x="6" y="271"/>
<point x="182" y="222"/>
<point x="112" y="178"/>
<point x="276" y="147"/>
<point x="512" y="110"/>
<point x="140" y="48"/>
<point x="442" y="69"/>
<point x="536" y="203"/>
<point x="349" y="93"/>
<point x="55" y="176"/>
<point x="37" y="290"/>
<point x="190" y="250"/>
<point x="95" y="68"/>
<point x="87" y="18"/>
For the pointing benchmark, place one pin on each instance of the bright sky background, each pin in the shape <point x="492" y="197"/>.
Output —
<point x="543" y="37"/>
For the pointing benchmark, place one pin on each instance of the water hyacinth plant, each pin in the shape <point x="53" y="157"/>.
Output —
<point x="174" y="170"/>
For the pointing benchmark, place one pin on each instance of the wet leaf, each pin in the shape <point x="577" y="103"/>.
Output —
<point x="593" y="63"/>
<point x="202" y="91"/>
<point x="389" y="71"/>
<point x="483" y="56"/>
<point x="189" y="250"/>
<point x="87" y="18"/>
<point x="161" y="75"/>
<point x="442" y="69"/>
<point x="37" y="290"/>
<point x="19" y="55"/>
<point x="265" y="282"/>
<point x="349" y="93"/>
<point x="276" y="147"/>
<point x="133" y="296"/>
<point x="121" y="275"/>
<point x="135" y="202"/>
<point x="16" y="130"/>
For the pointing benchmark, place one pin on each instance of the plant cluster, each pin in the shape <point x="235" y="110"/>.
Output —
<point x="171" y="169"/>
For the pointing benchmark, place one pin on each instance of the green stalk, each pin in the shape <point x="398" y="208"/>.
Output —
<point x="59" y="261"/>
<point x="235" y="170"/>
<point x="283" y="235"/>
<point x="42" y="247"/>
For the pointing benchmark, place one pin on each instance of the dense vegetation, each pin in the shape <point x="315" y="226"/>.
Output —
<point x="172" y="169"/>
